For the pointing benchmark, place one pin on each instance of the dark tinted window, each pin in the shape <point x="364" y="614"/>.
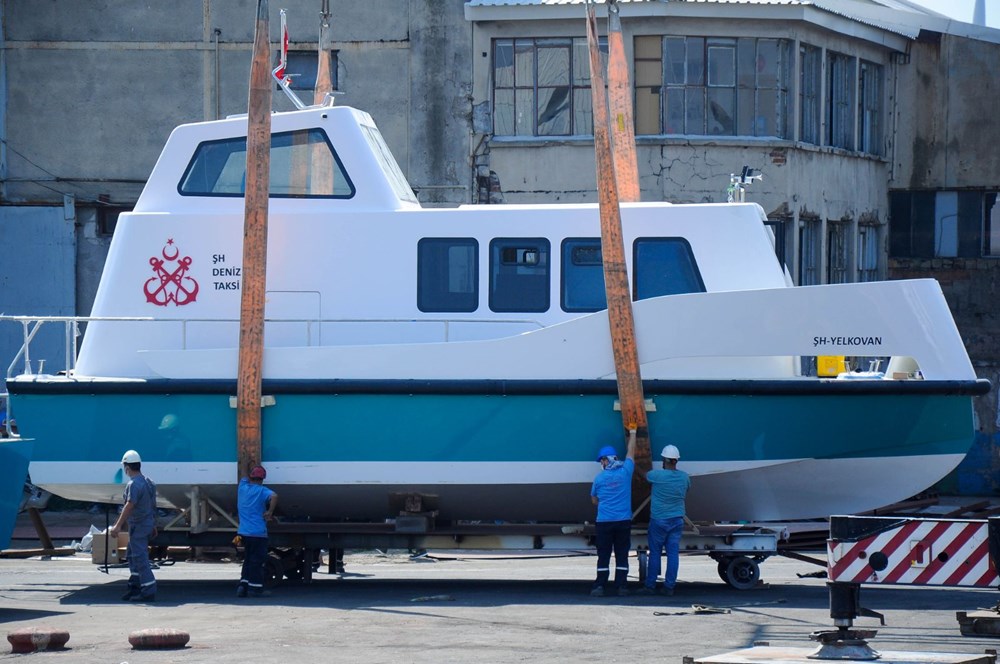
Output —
<point x="665" y="266"/>
<point x="447" y="274"/>
<point x="519" y="274"/>
<point x="582" y="275"/>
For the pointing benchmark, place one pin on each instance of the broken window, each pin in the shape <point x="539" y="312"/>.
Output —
<point x="810" y="80"/>
<point x="712" y="86"/>
<point x="868" y="252"/>
<point x="931" y="224"/>
<point x="541" y="87"/>
<point x="870" y="108"/>
<point x="301" y="68"/>
<point x="838" y="256"/>
<point x="840" y="101"/>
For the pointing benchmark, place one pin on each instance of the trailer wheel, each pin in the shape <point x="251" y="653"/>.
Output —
<point x="723" y="569"/>
<point x="642" y="557"/>
<point x="274" y="569"/>
<point x="742" y="573"/>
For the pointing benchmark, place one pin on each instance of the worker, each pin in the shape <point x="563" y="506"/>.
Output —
<point x="666" y="520"/>
<point x="255" y="504"/>
<point x="612" y="493"/>
<point x="139" y="512"/>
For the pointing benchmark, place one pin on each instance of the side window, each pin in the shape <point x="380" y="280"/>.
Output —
<point x="447" y="274"/>
<point x="519" y="274"/>
<point x="665" y="266"/>
<point x="583" y="275"/>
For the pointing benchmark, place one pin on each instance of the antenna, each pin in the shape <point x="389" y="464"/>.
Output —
<point x="737" y="190"/>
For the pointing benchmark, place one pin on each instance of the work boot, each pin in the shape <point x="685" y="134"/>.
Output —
<point x="129" y="594"/>
<point x="645" y="590"/>
<point x="669" y="592"/>
<point x="260" y="593"/>
<point x="597" y="591"/>
<point x="623" y="592"/>
<point x="241" y="590"/>
<point x="142" y="598"/>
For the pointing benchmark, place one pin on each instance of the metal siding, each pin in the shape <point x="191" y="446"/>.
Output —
<point x="37" y="277"/>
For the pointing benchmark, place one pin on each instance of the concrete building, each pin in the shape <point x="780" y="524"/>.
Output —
<point x="870" y="120"/>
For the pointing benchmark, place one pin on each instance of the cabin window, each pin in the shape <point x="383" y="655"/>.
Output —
<point x="583" y="275"/>
<point x="388" y="163"/>
<point x="712" y="86"/>
<point x="303" y="165"/>
<point x="519" y="274"/>
<point x="541" y="87"/>
<point x="933" y="224"/>
<point x="664" y="266"/>
<point x="447" y="275"/>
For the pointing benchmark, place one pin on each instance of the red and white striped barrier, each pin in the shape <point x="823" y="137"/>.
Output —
<point x="908" y="551"/>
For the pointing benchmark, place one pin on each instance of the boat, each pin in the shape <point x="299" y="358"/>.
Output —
<point x="464" y="353"/>
<point x="15" y="453"/>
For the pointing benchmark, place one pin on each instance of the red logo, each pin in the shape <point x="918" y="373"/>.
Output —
<point x="171" y="283"/>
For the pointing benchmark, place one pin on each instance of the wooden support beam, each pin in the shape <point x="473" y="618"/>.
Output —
<point x="620" y="102"/>
<point x="251" y="354"/>
<point x="616" y="282"/>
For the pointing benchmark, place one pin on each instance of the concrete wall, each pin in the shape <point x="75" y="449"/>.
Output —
<point x="948" y="130"/>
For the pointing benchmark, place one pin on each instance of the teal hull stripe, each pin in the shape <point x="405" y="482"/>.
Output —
<point x="476" y="427"/>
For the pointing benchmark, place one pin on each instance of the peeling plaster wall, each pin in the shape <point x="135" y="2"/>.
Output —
<point x="948" y="133"/>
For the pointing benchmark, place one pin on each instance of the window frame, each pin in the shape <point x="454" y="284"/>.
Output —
<point x="495" y="266"/>
<point x="639" y="266"/>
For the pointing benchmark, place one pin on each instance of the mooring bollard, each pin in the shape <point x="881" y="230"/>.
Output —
<point x="31" y="639"/>
<point x="158" y="638"/>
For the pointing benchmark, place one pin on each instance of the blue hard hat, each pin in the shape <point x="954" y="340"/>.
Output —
<point x="607" y="451"/>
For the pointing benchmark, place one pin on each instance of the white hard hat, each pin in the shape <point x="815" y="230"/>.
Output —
<point x="670" y="452"/>
<point x="131" y="457"/>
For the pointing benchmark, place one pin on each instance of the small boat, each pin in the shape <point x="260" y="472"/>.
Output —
<point x="464" y="353"/>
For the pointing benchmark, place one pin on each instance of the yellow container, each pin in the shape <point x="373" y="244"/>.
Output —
<point x="830" y="365"/>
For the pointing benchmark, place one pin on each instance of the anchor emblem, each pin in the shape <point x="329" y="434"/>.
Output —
<point x="170" y="285"/>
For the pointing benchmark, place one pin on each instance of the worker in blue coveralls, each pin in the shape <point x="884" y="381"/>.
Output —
<point x="255" y="504"/>
<point x="666" y="520"/>
<point x="139" y="513"/>
<point x="612" y="493"/>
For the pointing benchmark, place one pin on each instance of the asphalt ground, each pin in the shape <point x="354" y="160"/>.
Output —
<point x="461" y="607"/>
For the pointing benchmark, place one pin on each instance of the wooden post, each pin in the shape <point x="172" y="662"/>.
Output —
<point x="616" y="283"/>
<point x="620" y="102"/>
<point x="251" y="357"/>
<point x="324" y="76"/>
<point x="322" y="166"/>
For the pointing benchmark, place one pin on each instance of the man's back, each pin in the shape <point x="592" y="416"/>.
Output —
<point x="251" y="500"/>
<point x="669" y="488"/>
<point x="613" y="488"/>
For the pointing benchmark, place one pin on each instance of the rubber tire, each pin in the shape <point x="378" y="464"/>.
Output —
<point x="721" y="567"/>
<point x="742" y="573"/>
